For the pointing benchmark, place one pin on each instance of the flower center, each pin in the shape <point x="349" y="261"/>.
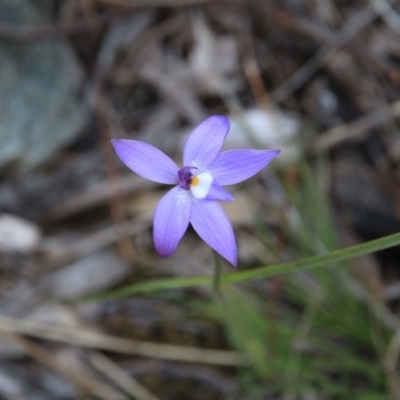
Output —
<point x="186" y="178"/>
<point x="195" y="181"/>
<point x="199" y="185"/>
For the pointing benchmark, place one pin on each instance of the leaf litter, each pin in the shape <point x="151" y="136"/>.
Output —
<point x="319" y="80"/>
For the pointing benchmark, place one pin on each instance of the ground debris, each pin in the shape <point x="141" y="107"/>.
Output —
<point x="317" y="79"/>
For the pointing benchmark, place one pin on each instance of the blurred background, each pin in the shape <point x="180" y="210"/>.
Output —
<point x="319" y="79"/>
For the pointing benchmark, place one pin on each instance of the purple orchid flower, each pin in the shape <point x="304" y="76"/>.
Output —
<point x="198" y="184"/>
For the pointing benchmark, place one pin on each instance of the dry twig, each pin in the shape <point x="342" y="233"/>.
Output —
<point x="383" y="8"/>
<point x="89" y="339"/>
<point x="359" y="127"/>
<point x="323" y="55"/>
<point x="120" y="377"/>
<point x="97" y="195"/>
<point x="47" y="358"/>
<point x="91" y="243"/>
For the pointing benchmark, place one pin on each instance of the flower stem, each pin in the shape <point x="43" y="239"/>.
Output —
<point x="216" y="281"/>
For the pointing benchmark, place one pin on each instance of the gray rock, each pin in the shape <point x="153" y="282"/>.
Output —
<point x="39" y="110"/>
<point x="10" y="387"/>
<point x="17" y="234"/>
<point x="91" y="274"/>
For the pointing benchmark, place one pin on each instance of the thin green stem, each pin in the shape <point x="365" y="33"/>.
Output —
<point x="216" y="281"/>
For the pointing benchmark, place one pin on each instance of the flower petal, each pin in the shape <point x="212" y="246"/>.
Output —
<point x="213" y="226"/>
<point x="171" y="219"/>
<point x="205" y="142"/>
<point x="234" y="166"/>
<point x="216" y="192"/>
<point x="146" y="160"/>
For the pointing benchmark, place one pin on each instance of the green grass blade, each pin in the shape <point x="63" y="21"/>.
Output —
<point x="253" y="274"/>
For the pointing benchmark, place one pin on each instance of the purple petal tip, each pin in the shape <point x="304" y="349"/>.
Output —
<point x="206" y="140"/>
